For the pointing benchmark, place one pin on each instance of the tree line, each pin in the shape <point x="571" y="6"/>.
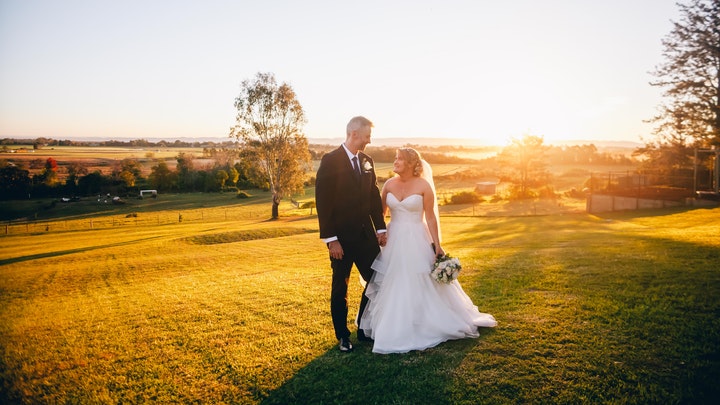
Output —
<point x="126" y="177"/>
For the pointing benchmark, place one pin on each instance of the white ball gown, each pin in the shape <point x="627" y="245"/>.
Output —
<point x="408" y="310"/>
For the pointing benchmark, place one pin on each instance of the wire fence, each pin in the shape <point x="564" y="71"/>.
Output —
<point x="674" y="186"/>
<point x="135" y="219"/>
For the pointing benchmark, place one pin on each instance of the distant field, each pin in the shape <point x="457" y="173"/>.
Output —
<point x="99" y="152"/>
<point x="103" y="158"/>
<point x="228" y="307"/>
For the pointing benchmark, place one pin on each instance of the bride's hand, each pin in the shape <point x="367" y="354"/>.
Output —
<point x="439" y="251"/>
<point x="382" y="238"/>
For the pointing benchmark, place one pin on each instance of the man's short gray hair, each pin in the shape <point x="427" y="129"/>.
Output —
<point x="357" y="123"/>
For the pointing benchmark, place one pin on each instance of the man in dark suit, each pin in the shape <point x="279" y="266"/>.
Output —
<point x="351" y="219"/>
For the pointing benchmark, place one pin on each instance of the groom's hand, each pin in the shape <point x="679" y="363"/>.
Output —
<point x="336" y="250"/>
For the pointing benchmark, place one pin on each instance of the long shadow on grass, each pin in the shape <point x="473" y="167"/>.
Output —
<point x="71" y="251"/>
<point x="362" y="377"/>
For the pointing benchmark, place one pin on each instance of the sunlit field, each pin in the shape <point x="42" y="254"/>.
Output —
<point x="102" y="158"/>
<point x="99" y="152"/>
<point x="226" y="306"/>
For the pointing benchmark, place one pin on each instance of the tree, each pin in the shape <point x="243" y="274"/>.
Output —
<point x="221" y="176"/>
<point x="233" y="175"/>
<point x="127" y="172"/>
<point x="92" y="183"/>
<point x="161" y="178"/>
<point x="186" y="174"/>
<point x="126" y="178"/>
<point x="268" y="129"/>
<point x="14" y="181"/>
<point x="49" y="173"/>
<point x="690" y="76"/>
<point x="666" y="157"/>
<point x="74" y="171"/>
<point x="526" y="158"/>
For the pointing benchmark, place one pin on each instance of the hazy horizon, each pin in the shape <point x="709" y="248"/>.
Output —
<point x="376" y="141"/>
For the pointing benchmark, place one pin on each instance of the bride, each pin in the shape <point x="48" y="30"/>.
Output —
<point x="408" y="310"/>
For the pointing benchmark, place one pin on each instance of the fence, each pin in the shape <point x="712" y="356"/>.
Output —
<point x="646" y="185"/>
<point x="136" y="219"/>
<point x="618" y="191"/>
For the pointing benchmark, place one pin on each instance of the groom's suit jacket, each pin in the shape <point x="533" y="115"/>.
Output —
<point x="347" y="207"/>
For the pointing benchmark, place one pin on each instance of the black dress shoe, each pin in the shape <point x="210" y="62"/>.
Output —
<point x="345" y="346"/>
<point x="363" y="337"/>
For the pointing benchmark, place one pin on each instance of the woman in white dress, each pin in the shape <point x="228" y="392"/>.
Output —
<point x="409" y="310"/>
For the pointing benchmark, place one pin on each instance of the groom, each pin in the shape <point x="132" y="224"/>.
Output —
<point x="351" y="219"/>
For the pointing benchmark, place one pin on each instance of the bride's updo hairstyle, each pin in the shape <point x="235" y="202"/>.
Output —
<point x="413" y="159"/>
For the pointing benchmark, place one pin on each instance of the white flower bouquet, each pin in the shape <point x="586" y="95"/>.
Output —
<point x="445" y="269"/>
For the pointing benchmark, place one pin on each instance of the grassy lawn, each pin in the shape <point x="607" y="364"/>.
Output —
<point x="49" y="209"/>
<point x="622" y="308"/>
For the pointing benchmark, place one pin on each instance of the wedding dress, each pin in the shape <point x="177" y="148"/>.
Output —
<point x="408" y="310"/>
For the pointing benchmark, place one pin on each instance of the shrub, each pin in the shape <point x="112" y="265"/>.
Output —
<point x="547" y="192"/>
<point x="465" y="197"/>
<point x="242" y="183"/>
<point x="515" y="192"/>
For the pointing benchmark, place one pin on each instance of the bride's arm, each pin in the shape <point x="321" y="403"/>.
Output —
<point x="383" y="197"/>
<point x="431" y="219"/>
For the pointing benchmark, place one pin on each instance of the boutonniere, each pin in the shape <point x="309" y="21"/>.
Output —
<point x="367" y="166"/>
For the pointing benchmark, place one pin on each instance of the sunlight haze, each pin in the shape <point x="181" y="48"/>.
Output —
<point x="482" y="70"/>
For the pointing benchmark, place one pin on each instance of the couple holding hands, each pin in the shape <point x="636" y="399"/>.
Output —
<point x="402" y="308"/>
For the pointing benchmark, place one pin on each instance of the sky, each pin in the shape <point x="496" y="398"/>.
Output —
<point x="481" y="70"/>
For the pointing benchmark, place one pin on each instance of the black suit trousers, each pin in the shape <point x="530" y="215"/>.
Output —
<point x="361" y="253"/>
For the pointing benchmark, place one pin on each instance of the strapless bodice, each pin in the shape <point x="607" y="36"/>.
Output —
<point x="409" y="209"/>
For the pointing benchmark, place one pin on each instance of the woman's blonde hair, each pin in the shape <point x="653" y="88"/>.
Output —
<point x="413" y="158"/>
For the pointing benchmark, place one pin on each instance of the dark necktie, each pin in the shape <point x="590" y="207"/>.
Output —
<point x="356" y="167"/>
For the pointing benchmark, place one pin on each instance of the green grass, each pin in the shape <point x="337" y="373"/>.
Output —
<point x="621" y="308"/>
<point x="165" y="204"/>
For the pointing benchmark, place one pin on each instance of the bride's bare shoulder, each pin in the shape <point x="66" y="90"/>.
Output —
<point x="392" y="181"/>
<point x="422" y="183"/>
<point x="390" y="184"/>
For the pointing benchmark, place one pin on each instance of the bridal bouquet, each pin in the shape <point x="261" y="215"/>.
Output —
<point x="445" y="269"/>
